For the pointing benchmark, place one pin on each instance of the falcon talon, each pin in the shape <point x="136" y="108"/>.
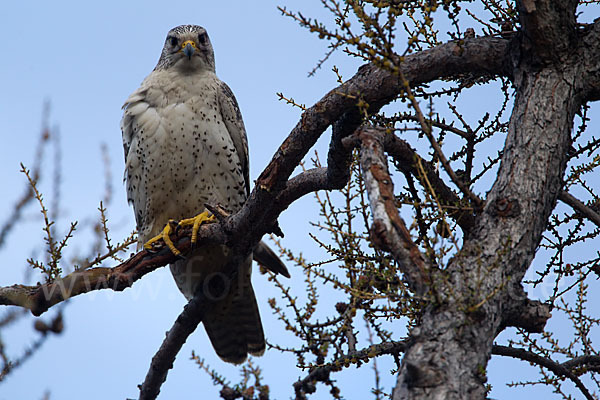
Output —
<point x="178" y="227"/>
<point x="165" y="236"/>
<point x="196" y="222"/>
<point x="149" y="250"/>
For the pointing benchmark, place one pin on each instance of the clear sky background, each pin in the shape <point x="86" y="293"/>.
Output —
<point x="86" y="58"/>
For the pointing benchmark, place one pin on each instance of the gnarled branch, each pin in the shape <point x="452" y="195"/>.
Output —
<point x="388" y="230"/>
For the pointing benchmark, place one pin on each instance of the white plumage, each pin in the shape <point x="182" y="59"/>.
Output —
<point x="181" y="152"/>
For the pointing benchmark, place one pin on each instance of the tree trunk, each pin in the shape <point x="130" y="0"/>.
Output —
<point x="478" y="293"/>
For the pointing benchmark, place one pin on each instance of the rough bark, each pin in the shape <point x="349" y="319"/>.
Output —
<point x="451" y="347"/>
<point x="447" y="355"/>
<point x="389" y="231"/>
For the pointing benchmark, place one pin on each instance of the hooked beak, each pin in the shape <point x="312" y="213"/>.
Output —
<point x="189" y="48"/>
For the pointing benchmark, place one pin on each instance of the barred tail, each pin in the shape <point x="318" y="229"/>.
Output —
<point x="233" y="324"/>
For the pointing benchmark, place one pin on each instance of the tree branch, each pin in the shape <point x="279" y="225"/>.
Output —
<point x="426" y="129"/>
<point x="185" y="324"/>
<point x="388" y="230"/>
<point x="163" y="360"/>
<point x="478" y="56"/>
<point x="339" y="156"/>
<point x="590" y="85"/>
<point x="558" y="369"/>
<point x="407" y="157"/>
<point x="579" y="207"/>
<point x="40" y="298"/>
<point x="549" y="28"/>
<point x="321" y="373"/>
<point x="589" y="363"/>
<point x="524" y="313"/>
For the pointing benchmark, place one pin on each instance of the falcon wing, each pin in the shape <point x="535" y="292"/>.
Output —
<point x="232" y="116"/>
<point x="138" y="116"/>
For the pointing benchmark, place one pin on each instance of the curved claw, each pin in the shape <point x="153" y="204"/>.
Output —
<point x="164" y="235"/>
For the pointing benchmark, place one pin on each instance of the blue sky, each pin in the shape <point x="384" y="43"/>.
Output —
<point x="86" y="58"/>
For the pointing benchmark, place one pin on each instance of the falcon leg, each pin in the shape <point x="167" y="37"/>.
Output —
<point x="196" y="222"/>
<point x="164" y="235"/>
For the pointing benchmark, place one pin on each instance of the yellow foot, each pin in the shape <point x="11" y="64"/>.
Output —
<point x="196" y="222"/>
<point x="164" y="235"/>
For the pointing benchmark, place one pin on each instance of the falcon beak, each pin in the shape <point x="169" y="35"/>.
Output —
<point x="189" y="48"/>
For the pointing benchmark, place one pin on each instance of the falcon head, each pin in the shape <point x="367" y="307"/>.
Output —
<point x="187" y="47"/>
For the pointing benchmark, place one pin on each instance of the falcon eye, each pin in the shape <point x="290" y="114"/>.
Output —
<point x="202" y="38"/>
<point x="173" y="40"/>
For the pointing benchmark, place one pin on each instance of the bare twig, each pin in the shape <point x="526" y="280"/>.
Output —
<point x="28" y="194"/>
<point x="426" y="128"/>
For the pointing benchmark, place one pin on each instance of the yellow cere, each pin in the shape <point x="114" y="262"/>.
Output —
<point x="188" y="42"/>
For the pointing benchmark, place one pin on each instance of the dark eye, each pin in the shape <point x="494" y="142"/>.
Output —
<point x="202" y="38"/>
<point x="173" y="40"/>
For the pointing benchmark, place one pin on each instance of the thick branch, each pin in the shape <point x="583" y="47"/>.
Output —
<point x="549" y="28"/>
<point x="388" y="230"/>
<point x="478" y="56"/>
<point x="590" y="47"/>
<point x="38" y="299"/>
<point x="584" y="363"/>
<point x="450" y="345"/>
<point x="524" y="313"/>
<point x="339" y="156"/>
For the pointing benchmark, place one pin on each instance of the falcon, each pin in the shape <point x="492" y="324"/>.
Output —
<point x="185" y="147"/>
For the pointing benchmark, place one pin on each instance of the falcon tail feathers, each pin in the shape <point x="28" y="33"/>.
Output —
<point x="233" y="325"/>
<point x="267" y="258"/>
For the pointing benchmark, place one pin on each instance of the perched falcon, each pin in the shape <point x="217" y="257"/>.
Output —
<point x="185" y="146"/>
